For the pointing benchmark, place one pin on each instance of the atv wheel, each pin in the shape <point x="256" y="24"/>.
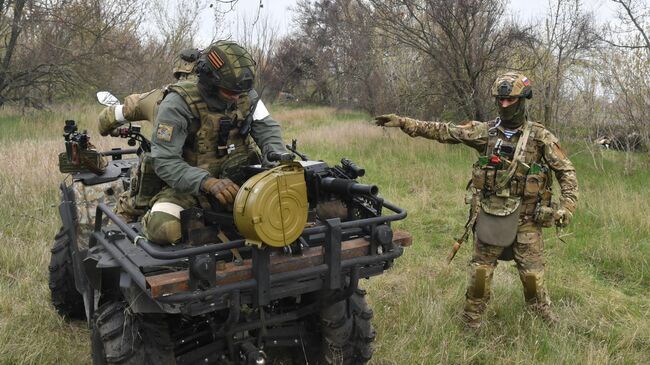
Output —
<point x="346" y="332"/>
<point x="122" y="337"/>
<point x="66" y="299"/>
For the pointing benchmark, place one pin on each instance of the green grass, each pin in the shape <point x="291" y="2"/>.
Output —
<point x="599" y="281"/>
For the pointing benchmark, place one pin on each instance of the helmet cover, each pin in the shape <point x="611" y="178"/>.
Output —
<point x="227" y="65"/>
<point x="512" y="85"/>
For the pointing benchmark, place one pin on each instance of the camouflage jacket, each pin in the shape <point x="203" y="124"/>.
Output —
<point x="542" y="147"/>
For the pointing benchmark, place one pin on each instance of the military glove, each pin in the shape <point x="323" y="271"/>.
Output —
<point x="563" y="217"/>
<point x="110" y="118"/>
<point x="389" y="120"/>
<point x="223" y="189"/>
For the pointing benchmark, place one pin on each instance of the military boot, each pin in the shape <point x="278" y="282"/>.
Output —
<point x="472" y="314"/>
<point x="544" y="311"/>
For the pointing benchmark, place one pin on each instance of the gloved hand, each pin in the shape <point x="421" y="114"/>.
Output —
<point x="108" y="120"/>
<point x="562" y="217"/>
<point x="389" y="120"/>
<point x="223" y="189"/>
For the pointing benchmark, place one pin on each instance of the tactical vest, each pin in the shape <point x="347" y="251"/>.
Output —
<point x="213" y="140"/>
<point x="501" y="190"/>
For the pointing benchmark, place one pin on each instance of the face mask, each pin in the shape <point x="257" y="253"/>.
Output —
<point x="514" y="115"/>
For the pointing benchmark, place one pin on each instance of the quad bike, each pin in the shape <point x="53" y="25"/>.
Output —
<point x="279" y="274"/>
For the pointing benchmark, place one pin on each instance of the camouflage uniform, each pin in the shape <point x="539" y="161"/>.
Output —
<point x="512" y="185"/>
<point x="185" y="151"/>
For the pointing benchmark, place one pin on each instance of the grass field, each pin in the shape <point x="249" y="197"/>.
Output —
<point x="599" y="281"/>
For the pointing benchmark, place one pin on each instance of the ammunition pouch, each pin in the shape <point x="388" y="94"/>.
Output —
<point x="534" y="185"/>
<point x="82" y="161"/>
<point x="145" y="184"/>
<point x="544" y="216"/>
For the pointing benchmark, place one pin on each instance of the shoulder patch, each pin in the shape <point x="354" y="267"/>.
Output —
<point x="164" y="132"/>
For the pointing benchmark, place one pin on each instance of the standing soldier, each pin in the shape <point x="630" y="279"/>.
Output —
<point x="511" y="192"/>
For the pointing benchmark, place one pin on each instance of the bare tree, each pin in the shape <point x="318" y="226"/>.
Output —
<point x="259" y="36"/>
<point x="467" y="41"/>
<point x="561" y="45"/>
<point x="632" y="21"/>
<point x="49" y="46"/>
<point x="625" y="73"/>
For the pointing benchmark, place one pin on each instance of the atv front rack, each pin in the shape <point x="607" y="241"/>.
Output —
<point x="358" y="248"/>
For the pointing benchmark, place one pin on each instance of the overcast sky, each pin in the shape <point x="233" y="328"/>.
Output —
<point x="279" y="12"/>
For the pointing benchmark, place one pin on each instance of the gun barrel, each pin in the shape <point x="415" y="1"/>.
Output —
<point x="347" y="187"/>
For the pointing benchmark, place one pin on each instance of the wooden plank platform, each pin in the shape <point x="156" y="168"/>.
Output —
<point x="176" y="282"/>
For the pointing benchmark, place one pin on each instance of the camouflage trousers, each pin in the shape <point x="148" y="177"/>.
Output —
<point x="528" y="250"/>
<point x="162" y="223"/>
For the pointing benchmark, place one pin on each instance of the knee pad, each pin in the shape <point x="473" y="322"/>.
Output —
<point x="162" y="227"/>
<point x="530" y="286"/>
<point x="534" y="287"/>
<point x="480" y="279"/>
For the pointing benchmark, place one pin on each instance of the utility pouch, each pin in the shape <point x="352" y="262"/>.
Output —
<point x="147" y="184"/>
<point x="497" y="230"/>
<point x="534" y="184"/>
<point x="544" y="215"/>
<point x="490" y="179"/>
<point x="478" y="178"/>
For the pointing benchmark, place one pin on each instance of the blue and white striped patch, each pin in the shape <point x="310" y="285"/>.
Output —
<point x="510" y="132"/>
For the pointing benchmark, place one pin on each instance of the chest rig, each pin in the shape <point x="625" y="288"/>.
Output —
<point x="214" y="141"/>
<point x="511" y="173"/>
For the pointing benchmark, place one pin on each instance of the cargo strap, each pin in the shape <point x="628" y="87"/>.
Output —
<point x="235" y="252"/>
<point x="517" y="159"/>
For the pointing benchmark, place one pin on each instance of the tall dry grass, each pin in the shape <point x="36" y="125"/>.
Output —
<point x="599" y="281"/>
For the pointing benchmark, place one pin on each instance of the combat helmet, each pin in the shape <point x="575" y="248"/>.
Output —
<point x="512" y="85"/>
<point x="186" y="63"/>
<point x="227" y="65"/>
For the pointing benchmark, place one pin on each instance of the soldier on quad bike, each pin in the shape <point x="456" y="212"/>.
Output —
<point x="211" y="102"/>
<point x="205" y="130"/>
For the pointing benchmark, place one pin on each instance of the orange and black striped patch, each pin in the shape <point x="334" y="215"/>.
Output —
<point x="215" y="60"/>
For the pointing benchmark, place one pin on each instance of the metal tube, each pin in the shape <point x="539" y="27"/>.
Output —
<point x="158" y="253"/>
<point x="125" y="264"/>
<point x="280" y="277"/>
<point x="154" y="250"/>
<point x="130" y="151"/>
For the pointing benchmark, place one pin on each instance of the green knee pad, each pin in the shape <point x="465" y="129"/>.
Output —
<point x="530" y="286"/>
<point x="480" y="281"/>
